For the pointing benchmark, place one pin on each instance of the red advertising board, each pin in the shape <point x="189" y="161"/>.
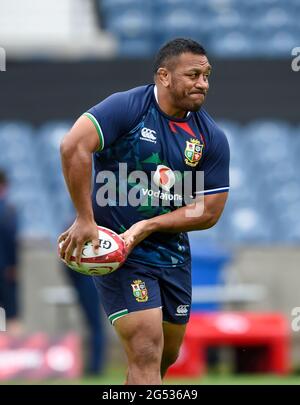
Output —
<point x="39" y="357"/>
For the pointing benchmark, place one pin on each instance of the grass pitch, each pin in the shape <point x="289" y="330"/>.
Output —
<point x="116" y="376"/>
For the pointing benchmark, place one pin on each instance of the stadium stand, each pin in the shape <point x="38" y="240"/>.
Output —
<point x="136" y="28"/>
<point x="228" y="27"/>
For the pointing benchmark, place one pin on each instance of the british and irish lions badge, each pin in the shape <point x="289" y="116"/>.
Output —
<point x="139" y="291"/>
<point x="193" y="152"/>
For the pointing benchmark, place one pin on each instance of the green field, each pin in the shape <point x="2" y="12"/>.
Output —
<point x="115" y="376"/>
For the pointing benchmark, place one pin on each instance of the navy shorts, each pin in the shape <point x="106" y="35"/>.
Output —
<point x="136" y="286"/>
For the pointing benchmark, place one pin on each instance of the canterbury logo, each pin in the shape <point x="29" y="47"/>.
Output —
<point x="182" y="310"/>
<point x="164" y="177"/>
<point x="148" y="135"/>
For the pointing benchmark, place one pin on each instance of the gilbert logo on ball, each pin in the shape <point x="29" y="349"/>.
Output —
<point x="111" y="254"/>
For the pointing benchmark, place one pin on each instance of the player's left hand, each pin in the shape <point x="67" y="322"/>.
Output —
<point x="136" y="234"/>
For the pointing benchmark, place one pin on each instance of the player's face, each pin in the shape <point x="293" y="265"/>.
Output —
<point x="188" y="84"/>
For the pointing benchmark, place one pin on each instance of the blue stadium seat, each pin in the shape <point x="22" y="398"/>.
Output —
<point x="235" y="137"/>
<point x="281" y="43"/>
<point x="258" y="6"/>
<point x="287" y="223"/>
<point x="279" y="174"/>
<point x="167" y="6"/>
<point x="48" y="140"/>
<point x="295" y="134"/>
<point x="287" y="194"/>
<point x="118" y="7"/>
<point x="230" y="28"/>
<point x="267" y="130"/>
<point x="21" y="163"/>
<point x="134" y="31"/>
<point x="131" y="24"/>
<point x="271" y="137"/>
<point x="294" y="7"/>
<point x="219" y="6"/>
<point x="233" y="44"/>
<point x="179" y="22"/>
<point x="247" y="224"/>
<point x="273" y="19"/>
<point x="242" y="185"/>
<point x="138" y="47"/>
<point x="34" y="210"/>
<point x="16" y="140"/>
<point x="229" y="20"/>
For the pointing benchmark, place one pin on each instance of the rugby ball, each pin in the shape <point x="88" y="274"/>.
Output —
<point x="111" y="254"/>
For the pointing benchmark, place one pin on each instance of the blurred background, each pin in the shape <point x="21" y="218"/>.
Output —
<point x="63" y="57"/>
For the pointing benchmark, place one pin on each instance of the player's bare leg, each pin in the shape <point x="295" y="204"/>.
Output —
<point x="141" y="334"/>
<point x="173" y="337"/>
<point x="126" y="380"/>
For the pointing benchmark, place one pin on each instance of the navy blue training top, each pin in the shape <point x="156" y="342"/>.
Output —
<point x="148" y="163"/>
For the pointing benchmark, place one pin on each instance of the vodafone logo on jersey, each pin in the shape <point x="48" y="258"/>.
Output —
<point x="164" y="177"/>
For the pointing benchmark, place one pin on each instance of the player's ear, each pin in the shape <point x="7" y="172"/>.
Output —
<point x="163" y="75"/>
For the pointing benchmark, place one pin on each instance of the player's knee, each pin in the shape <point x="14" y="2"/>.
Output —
<point x="146" y="350"/>
<point x="147" y="353"/>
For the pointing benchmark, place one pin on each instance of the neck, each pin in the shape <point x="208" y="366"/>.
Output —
<point x="165" y="104"/>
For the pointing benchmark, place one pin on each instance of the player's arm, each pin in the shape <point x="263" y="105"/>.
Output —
<point x="201" y="214"/>
<point x="97" y="129"/>
<point x="76" y="150"/>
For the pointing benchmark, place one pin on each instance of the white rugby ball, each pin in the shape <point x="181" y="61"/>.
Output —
<point x="111" y="254"/>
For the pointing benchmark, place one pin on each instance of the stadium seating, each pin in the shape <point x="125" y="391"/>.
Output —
<point x="133" y="29"/>
<point x="243" y="28"/>
<point x="264" y="200"/>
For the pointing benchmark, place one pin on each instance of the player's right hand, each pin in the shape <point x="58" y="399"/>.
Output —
<point x="80" y="232"/>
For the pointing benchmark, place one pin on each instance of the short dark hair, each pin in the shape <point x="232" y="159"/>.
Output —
<point x="176" y="47"/>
